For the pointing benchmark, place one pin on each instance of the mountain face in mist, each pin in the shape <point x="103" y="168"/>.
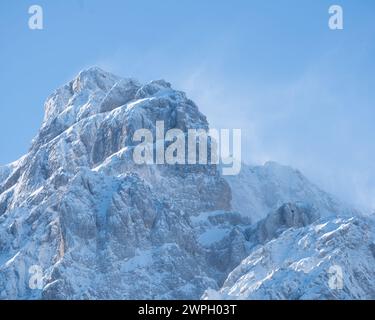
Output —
<point x="98" y="226"/>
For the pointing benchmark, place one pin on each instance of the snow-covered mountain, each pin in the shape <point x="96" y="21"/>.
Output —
<point x="96" y="225"/>
<point x="328" y="259"/>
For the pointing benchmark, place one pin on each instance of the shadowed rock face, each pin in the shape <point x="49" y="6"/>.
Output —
<point x="289" y="215"/>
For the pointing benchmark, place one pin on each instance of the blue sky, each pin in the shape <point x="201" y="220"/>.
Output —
<point x="302" y="94"/>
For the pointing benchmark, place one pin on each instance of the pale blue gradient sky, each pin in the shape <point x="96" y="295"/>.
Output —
<point x="303" y="94"/>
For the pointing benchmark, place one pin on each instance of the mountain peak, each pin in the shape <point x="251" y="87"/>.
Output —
<point x="94" y="93"/>
<point x="94" y="78"/>
<point x="95" y="90"/>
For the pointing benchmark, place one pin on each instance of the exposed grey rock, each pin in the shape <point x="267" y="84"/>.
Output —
<point x="289" y="215"/>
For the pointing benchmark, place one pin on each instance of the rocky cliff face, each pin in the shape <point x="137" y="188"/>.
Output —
<point x="99" y="226"/>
